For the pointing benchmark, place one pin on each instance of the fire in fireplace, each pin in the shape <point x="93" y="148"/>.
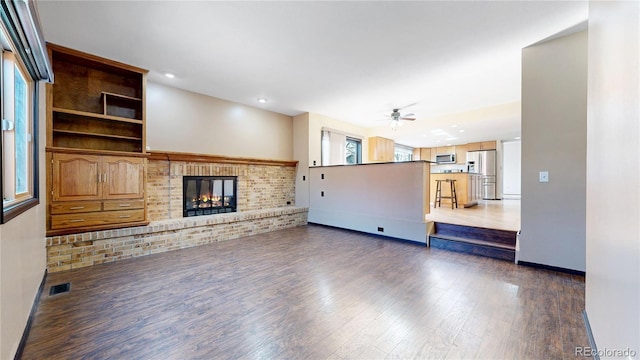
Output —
<point x="206" y="195"/>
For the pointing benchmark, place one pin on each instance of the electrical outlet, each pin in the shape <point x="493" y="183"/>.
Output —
<point x="544" y="176"/>
<point x="380" y="229"/>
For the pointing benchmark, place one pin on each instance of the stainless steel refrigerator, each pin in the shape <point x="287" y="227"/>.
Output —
<point x="484" y="163"/>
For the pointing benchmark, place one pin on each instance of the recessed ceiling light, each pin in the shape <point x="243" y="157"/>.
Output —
<point x="517" y="137"/>
<point x="262" y="100"/>
<point x="448" y="144"/>
<point x="454" y="125"/>
<point x="169" y="75"/>
<point x="461" y="130"/>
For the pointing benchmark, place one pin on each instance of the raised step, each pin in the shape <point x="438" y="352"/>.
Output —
<point x="493" y="243"/>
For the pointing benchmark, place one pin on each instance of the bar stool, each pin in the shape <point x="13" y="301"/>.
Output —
<point x="452" y="194"/>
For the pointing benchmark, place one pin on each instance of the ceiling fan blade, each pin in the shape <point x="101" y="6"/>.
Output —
<point x="406" y="106"/>
<point x="407" y="118"/>
<point x="409" y="115"/>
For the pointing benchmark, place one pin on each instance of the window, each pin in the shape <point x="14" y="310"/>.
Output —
<point x="340" y="149"/>
<point x="402" y="153"/>
<point x="23" y="62"/>
<point x="354" y="151"/>
<point x="17" y="130"/>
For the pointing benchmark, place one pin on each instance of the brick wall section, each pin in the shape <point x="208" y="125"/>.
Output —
<point x="259" y="186"/>
<point x="92" y="248"/>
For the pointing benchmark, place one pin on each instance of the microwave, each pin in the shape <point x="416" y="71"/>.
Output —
<point x="446" y="158"/>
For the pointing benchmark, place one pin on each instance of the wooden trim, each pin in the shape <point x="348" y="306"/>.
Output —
<point x="96" y="116"/>
<point x="94" y="152"/>
<point x="95" y="58"/>
<point x="32" y="314"/>
<point x="191" y="157"/>
<point x="49" y="113"/>
<point x="86" y="229"/>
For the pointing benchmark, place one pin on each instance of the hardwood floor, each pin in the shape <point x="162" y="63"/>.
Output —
<point x="492" y="214"/>
<point x="310" y="292"/>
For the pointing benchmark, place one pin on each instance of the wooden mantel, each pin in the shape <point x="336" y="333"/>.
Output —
<point x="191" y="157"/>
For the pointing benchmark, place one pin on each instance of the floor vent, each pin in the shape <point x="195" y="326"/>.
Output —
<point x="59" y="289"/>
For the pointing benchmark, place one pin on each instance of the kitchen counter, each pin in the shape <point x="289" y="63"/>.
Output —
<point x="466" y="188"/>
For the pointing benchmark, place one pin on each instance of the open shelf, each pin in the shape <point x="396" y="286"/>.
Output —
<point x="97" y="116"/>
<point x="76" y="141"/>
<point x="122" y="106"/>
<point x="95" y="127"/>
<point x="105" y="93"/>
<point x="82" y="133"/>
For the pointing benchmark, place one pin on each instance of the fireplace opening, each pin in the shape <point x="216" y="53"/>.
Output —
<point x="206" y="195"/>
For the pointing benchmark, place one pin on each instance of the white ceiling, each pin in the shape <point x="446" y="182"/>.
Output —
<point x="352" y="61"/>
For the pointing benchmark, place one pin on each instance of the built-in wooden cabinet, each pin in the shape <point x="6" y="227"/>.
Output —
<point x="461" y="154"/>
<point x="95" y="143"/>
<point x="422" y="154"/>
<point x="445" y="150"/>
<point x="461" y="188"/>
<point x="95" y="191"/>
<point x="484" y="145"/>
<point x="381" y="149"/>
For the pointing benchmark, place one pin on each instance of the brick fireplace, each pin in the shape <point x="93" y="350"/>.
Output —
<point x="207" y="195"/>
<point x="263" y="198"/>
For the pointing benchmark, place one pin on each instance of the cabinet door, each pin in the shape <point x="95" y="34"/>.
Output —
<point x="474" y="146"/>
<point x="124" y="177"/>
<point x="425" y="154"/>
<point x="416" y="154"/>
<point x="76" y="177"/>
<point x="461" y="154"/>
<point x="381" y="149"/>
<point x="488" y="145"/>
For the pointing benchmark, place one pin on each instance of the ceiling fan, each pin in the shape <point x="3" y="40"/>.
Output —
<point x="396" y="116"/>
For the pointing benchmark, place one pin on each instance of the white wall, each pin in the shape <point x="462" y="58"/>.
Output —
<point x="22" y="259"/>
<point x="184" y="121"/>
<point x="393" y="196"/>
<point x="301" y="154"/>
<point x="307" y="135"/>
<point x="554" y="139"/>
<point x="613" y="153"/>
<point x="511" y="154"/>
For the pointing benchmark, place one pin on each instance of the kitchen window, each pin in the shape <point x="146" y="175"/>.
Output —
<point x="340" y="149"/>
<point x="353" y="151"/>
<point x="24" y="62"/>
<point x="402" y="153"/>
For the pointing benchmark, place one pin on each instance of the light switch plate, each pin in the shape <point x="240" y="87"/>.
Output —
<point x="544" y="176"/>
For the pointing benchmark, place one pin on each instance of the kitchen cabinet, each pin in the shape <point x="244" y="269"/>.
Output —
<point x="425" y="154"/>
<point x="445" y="150"/>
<point x="474" y="189"/>
<point x="422" y="154"/>
<point x="381" y="149"/>
<point x="468" y="188"/>
<point x="91" y="191"/>
<point x="461" y="154"/>
<point x="461" y="187"/>
<point x="484" y="145"/>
